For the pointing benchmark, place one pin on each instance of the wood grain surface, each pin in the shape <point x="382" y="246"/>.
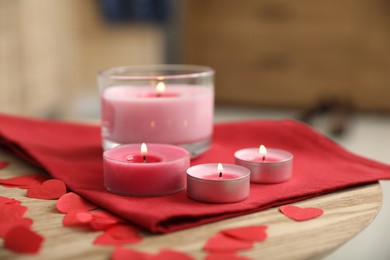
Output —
<point x="346" y="213"/>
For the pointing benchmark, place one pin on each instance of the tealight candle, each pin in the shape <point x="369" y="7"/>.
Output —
<point x="214" y="183"/>
<point x="266" y="165"/>
<point x="140" y="170"/>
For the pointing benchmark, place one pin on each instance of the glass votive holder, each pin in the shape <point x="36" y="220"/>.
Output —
<point x="169" y="104"/>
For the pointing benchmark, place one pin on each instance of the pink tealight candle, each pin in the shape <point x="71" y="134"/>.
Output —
<point x="214" y="183"/>
<point x="266" y="165"/>
<point x="140" y="170"/>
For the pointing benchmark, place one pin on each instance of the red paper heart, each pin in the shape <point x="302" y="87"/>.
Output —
<point x="250" y="233"/>
<point x="3" y="164"/>
<point x="21" y="239"/>
<point x="102" y="220"/>
<point x="119" y="235"/>
<point x="72" y="201"/>
<point x="23" y="182"/>
<point x="6" y="226"/>
<point x="11" y="212"/>
<point x="300" y="214"/>
<point x="225" y="256"/>
<point x="126" y="254"/>
<point x="5" y="200"/>
<point x="121" y="231"/>
<point x="166" y="254"/>
<point x="107" y="240"/>
<point x="48" y="190"/>
<point x="77" y="218"/>
<point x="222" y="243"/>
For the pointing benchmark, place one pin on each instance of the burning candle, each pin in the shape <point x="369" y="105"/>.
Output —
<point x="140" y="170"/>
<point x="161" y="91"/>
<point x="143" y="156"/>
<point x="160" y="88"/>
<point x="266" y="165"/>
<point x="171" y="104"/>
<point x="214" y="183"/>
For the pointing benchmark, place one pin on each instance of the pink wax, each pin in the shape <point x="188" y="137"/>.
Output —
<point x="158" y="94"/>
<point x="139" y="158"/>
<point x="205" y="185"/>
<point x="266" y="159"/>
<point x="163" y="172"/>
<point x="183" y="115"/>
<point x="275" y="168"/>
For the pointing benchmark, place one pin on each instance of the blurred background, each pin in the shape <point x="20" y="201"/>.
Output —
<point x="326" y="63"/>
<point x="270" y="53"/>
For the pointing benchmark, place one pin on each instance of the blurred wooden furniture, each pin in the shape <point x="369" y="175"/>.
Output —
<point x="292" y="53"/>
<point x="346" y="213"/>
<point x="51" y="51"/>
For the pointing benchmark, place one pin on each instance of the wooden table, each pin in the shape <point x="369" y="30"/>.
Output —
<point x="347" y="212"/>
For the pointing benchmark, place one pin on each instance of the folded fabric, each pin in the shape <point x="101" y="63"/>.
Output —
<point x="72" y="152"/>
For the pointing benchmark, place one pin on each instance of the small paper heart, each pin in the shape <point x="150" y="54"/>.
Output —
<point x="300" y="214"/>
<point x="5" y="200"/>
<point x="48" y="190"/>
<point x="21" y="239"/>
<point x="23" y="182"/>
<point x="119" y="235"/>
<point x="222" y="243"/>
<point x="250" y="233"/>
<point x="12" y="212"/>
<point x="72" y="201"/>
<point x="164" y="254"/>
<point x="107" y="240"/>
<point x="77" y="218"/>
<point x="122" y="231"/>
<point x="102" y="220"/>
<point x="6" y="226"/>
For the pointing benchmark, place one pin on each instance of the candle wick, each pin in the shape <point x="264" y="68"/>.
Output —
<point x="263" y="157"/>
<point x="220" y="174"/>
<point x="145" y="161"/>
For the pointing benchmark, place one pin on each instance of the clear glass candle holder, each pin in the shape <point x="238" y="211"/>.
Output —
<point x="169" y="104"/>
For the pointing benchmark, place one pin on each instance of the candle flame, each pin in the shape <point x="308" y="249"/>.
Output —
<point x="144" y="149"/>
<point x="263" y="150"/>
<point x="220" y="167"/>
<point x="160" y="88"/>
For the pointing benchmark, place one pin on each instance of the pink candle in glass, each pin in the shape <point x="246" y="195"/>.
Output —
<point x="180" y="115"/>
<point x="171" y="104"/>
<point x="214" y="183"/>
<point x="266" y="165"/>
<point x="157" y="170"/>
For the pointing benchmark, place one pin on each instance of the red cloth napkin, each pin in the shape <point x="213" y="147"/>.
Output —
<point x="73" y="153"/>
